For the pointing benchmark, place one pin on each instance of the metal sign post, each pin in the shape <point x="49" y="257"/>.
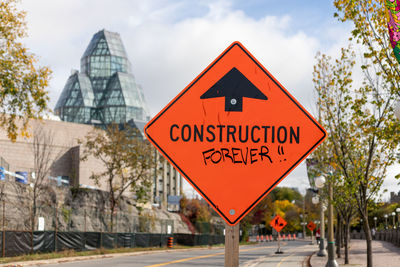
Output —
<point x="231" y="245"/>
<point x="279" y="251"/>
<point x="312" y="237"/>
<point x="311" y="226"/>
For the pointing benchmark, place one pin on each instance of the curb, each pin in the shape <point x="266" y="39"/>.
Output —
<point x="308" y="261"/>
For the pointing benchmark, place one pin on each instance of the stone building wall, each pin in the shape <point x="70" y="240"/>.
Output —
<point x="65" y="151"/>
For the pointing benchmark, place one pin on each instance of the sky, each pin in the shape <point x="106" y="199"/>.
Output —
<point x="170" y="42"/>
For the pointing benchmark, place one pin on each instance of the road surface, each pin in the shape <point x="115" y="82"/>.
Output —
<point x="259" y="255"/>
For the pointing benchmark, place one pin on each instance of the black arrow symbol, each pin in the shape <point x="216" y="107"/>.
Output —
<point x="234" y="86"/>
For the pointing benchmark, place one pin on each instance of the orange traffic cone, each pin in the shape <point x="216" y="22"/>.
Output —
<point x="262" y="238"/>
<point x="258" y="238"/>
<point x="294" y="236"/>
<point x="170" y="242"/>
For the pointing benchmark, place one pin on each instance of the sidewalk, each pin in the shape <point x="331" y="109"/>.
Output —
<point x="384" y="254"/>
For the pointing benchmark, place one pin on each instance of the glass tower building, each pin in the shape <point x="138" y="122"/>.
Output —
<point x="105" y="91"/>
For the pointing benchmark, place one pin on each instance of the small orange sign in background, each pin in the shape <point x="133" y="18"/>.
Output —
<point x="278" y="223"/>
<point x="234" y="133"/>
<point x="311" y="226"/>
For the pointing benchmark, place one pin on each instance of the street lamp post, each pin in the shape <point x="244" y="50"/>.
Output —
<point x="393" y="215"/>
<point x="331" y="243"/>
<point x="375" y="222"/>
<point x="386" y="225"/>
<point x="315" y="201"/>
<point x="304" y="225"/>
<point x="361" y="224"/>
<point x="319" y="183"/>
<point x="304" y="229"/>
<point x="304" y="217"/>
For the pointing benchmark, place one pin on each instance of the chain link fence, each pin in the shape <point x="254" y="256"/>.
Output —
<point x="47" y="229"/>
<point x="209" y="228"/>
<point x="20" y="217"/>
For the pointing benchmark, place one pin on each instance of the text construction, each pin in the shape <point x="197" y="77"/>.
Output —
<point x="235" y="134"/>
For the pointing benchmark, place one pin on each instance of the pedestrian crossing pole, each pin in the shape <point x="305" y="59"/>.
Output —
<point x="232" y="245"/>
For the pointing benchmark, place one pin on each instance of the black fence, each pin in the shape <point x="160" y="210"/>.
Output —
<point x="390" y="235"/>
<point x="15" y="243"/>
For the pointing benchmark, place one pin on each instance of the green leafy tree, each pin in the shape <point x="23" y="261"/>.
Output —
<point x="286" y="193"/>
<point x="370" y="30"/>
<point x="361" y="128"/>
<point x="290" y="212"/>
<point x="283" y="201"/>
<point x="343" y="202"/>
<point x="198" y="212"/>
<point x="22" y="83"/>
<point x="128" y="162"/>
<point x="261" y="214"/>
<point x="345" y="206"/>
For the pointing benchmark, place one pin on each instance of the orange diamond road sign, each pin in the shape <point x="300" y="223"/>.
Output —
<point x="311" y="226"/>
<point x="278" y="223"/>
<point x="234" y="133"/>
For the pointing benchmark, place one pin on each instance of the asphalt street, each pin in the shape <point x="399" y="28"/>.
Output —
<point x="262" y="254"/>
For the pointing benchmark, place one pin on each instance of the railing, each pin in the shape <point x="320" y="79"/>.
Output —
<point x="390" y="235"/>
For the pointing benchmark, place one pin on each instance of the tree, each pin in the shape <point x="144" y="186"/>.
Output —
<point x="361" y="128"/>
<point x="285" y="193"/>
<point x="343" y="202"/>
<point x="22" y="84"/>
<point x="370" y="30"/>
<point x="290" y="212"/>
<point x="198" y="212"/>
<point x="280" y="201"/>
<point x="44" y="156"/>
<point x="128" y="161"/>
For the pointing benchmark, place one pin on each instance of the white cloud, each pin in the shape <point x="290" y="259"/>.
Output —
<point x="168" y="50"/>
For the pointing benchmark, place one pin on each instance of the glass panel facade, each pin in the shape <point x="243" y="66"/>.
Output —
<point x="106" y="89"/>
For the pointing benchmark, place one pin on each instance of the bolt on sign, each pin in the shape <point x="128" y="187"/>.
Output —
<point x="311" y="226"/>
<point x="278" y="223"/>
<point x="234" y="133"/>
